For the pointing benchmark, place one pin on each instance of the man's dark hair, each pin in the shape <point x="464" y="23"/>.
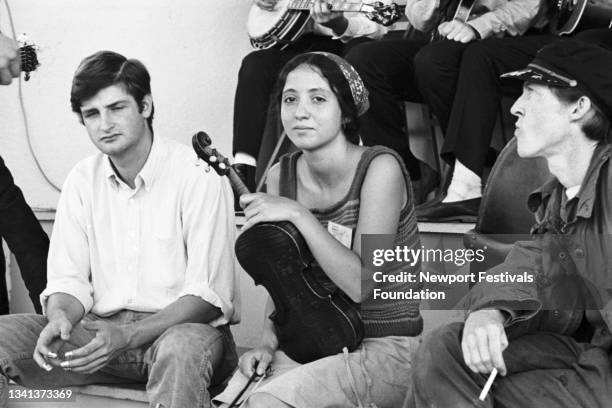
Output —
<point x="598" y="125"/>
<point x="330" y="71"/>
<point x="107" y="68"/>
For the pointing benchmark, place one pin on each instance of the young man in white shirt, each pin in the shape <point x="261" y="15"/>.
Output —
<point x="141" y="282"/>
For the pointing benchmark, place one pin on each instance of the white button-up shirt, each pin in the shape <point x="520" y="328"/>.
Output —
<point x="114" y="247"/>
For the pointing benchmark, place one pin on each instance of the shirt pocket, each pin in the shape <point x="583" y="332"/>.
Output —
<point x="167" y="260"/>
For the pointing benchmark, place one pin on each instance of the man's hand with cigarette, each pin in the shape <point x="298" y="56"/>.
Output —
<point x="484" y="340"/>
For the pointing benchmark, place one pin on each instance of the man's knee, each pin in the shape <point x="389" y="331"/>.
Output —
<point x="258" y="65"/>
<point x="363" y="57"/>
<point x="184" y="342"/>
<point x="264" y="400"/>
<point x="19" y="333"/>
<point x="434" y="60"/>
<point x="479" y="54"/>
<point x="436" y="353"/>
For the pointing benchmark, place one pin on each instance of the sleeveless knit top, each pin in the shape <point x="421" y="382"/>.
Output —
<point x="380" y="317"/>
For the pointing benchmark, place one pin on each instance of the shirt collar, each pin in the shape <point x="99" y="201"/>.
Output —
<point x="586" y="195"/>
<point x="149" y="171"/>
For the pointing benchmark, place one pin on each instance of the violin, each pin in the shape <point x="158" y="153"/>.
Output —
<point x="312" y="318"/>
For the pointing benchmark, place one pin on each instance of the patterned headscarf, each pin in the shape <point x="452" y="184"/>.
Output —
<point x="358" y="89"/>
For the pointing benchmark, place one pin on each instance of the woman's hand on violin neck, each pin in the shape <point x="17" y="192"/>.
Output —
<point x="258" y="359"/>
<point x="260" y="207"/>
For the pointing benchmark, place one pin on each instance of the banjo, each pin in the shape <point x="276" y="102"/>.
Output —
<point x="287" y="21"/>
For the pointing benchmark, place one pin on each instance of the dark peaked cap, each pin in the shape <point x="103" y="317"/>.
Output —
<point x="573" y="63"/>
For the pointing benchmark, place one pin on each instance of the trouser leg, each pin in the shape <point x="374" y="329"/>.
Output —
<point x="478" y="93"/>
<point x="4" y="303"/>
<point x="544" y="369"/>
<point x="436" y="70"/>
<point x="600" y="36"/>
<point x="184" y="361"/>
<point x="387" y="70"/>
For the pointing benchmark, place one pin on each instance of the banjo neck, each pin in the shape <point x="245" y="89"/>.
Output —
<point x="335" y="5"/>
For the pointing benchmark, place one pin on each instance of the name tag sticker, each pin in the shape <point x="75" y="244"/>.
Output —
<point x="341" y="233"/>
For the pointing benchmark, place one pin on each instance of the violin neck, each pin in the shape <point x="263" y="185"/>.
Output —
<point x="237" y="184"/>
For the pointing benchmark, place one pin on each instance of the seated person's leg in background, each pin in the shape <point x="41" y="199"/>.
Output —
<point x="544" y="370"/>
<point x="600" y="36"/>
<point x="388" y="70"/>
<point x="468" y="112"/>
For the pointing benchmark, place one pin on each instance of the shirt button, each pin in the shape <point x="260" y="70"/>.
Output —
<point x="562" y="255"/>
<point x="579" y="253"/>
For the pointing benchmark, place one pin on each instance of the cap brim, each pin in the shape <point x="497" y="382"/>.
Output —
<point x="534" y="75"/>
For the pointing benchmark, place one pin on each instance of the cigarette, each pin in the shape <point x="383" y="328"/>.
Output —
<point x="487" y="386"/>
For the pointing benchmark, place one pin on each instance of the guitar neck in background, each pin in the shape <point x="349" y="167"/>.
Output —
<point x="336" y="5"/>
<point x="237" y="183"/>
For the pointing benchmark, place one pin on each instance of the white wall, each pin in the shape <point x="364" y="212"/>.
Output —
<point x="192" y="49"/>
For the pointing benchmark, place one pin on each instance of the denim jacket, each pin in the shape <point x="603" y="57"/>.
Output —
<point x="570" y="258"/>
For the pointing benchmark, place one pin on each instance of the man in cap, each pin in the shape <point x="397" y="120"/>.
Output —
<point x="545" y="337"/>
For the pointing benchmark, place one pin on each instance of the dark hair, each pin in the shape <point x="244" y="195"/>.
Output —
<point x="330" y="71"/>
<point x="106" y="68"/>
<point x="597" y="126"/>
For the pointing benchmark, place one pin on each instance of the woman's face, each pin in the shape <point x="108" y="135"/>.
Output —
<point x="310" y="111"/>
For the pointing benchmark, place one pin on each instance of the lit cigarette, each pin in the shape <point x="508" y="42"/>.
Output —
<point x="487" y="387"/>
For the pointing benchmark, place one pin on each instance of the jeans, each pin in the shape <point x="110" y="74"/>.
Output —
<point x="178" y="367"/>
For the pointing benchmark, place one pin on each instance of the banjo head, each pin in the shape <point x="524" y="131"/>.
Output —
<point x="260" y="22"/>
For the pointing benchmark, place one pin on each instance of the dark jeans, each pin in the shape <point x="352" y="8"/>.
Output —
<point x="544" y="370"/>
<point x="25" y="238"/>
<point x="256" y="79"/>
<point x="460" y="83"/>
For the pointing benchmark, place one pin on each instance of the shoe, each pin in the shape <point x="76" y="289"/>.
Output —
<point x="430" y="179"/>
<point x="246" y="173"/>
<point x="434" y="201"/>
<point x="458" y="211"/>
